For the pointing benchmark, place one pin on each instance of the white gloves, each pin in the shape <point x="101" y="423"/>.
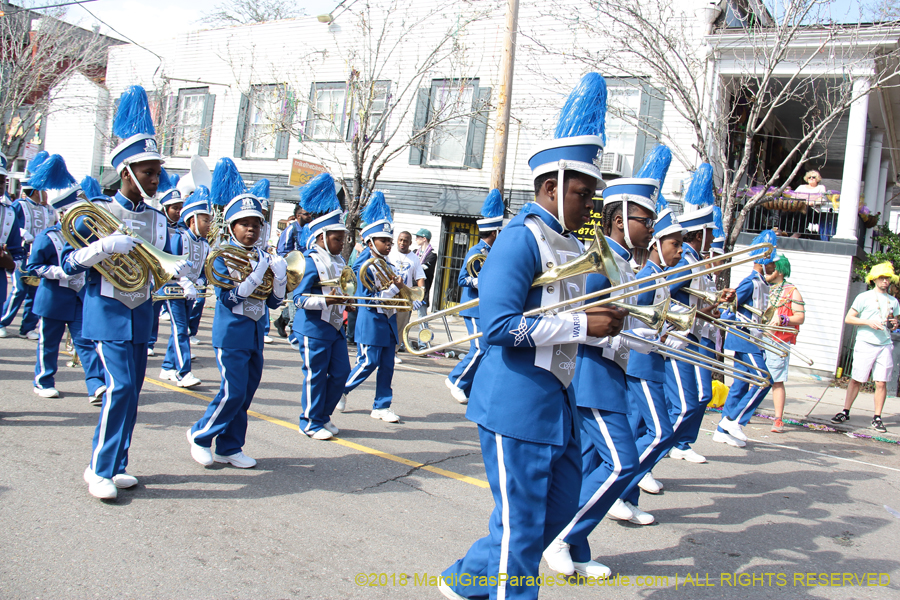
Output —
<point x="675" y="343"/>
<point x="475" y="283"/>
<point x="190" y="292"/>
<point x="26" y="235"/>
<point x="182" y="268"/>
<point x="249" y="285"/>
<point x="639" y="341"/>
<point x="418" y="304"/>
<point x="52" y="272"/>
<point x="279" y="268"/>
<point x="116" y="243"/>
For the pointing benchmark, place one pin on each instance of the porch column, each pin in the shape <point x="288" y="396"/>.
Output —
<point x="882" y="194"/>
<point x="853" y="161"/>
<point x="873" y="170"/>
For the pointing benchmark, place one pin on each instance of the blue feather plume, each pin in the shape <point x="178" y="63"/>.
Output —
<point x="493" y="205"/>
<point x="661" y="204"/>
<point x="377" y="209"/>
<point x="261" y="189"/>
<point x="133" y="116"/>
<point x="91" y="188"/>
<point x="700" y="191"/>
<point x="584" y="112"/>
<point x="38" y="159"/>
<point x="318" y="196"/>
<point x="303" y="237"/>
<point x="227" y="183"/>
<point x="174" y="179"/>
<point x="766" y="237"/>
<point x="51" y="175"/>
<point x="165" y="182"/>
<point x="200" y="194"/>
<point x="718" y="227"/>
<point x="656" y="165"/>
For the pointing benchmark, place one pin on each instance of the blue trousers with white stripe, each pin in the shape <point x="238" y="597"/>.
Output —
<point x="743" y="398"/>
<point x="21" y="295"/>
<point x="535" y="489"/>
<point x="690" y="427"/>
<point x="154" y="331"/>
<point x="647" y="400"/>
<point x="178" y="352"/>
<point x="225" y="418"/>
<point x="124" y="365"/>
<point x="369" y="358"/>
<point x="609" y="459"/>
<point x="326" y="366"/>
<point x="463" y="374"/>
<point x="50" y="333"/>
<point x="681" y="389"/>
<point x="196" y="310"/>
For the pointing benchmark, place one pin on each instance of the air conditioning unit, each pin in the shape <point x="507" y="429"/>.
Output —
<point x="612" y="164"/>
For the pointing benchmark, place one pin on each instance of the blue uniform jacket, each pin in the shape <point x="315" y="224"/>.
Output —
<point x="467" y="283"/>
<point x="599" y="382"/>
<point x="510" y="395"/>
<point x="13" y="244"/>
<point x="289" y="240"/>
<point x="51" y="299"/>
<point x="372" y="327"/>
<point x="744" y="293"/>
<point x="677" y="290"/>
<point x="107" y="319"/>
<point x="309" y="323"/>
<point x="231" y="330"/>
<point x="651" y="367"/>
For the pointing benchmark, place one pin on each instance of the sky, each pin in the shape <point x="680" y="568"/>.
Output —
<point x="146" y="20"/>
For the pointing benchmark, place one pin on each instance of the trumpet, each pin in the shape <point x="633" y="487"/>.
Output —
<point x="476" y="261"/>
<point x="238" y="260"/>
<point x="657" y="315"/>
<point x="346" y="282"/>
<point x="127" y="272"/>
<point x="597" y="259"/>
<point x="377" y="275"/>
<point x="177" y="293"/>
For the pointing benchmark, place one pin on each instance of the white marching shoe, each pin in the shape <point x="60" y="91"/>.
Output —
<point x="458" y="394"/>
<point x="194" y="341"/>
<point x="239" y="460"/>
<point x="689" y="455"/>
<point x="267" y="340"/>
<point x="385" y="414"/>
<point x="97" y="398"/>
<point x="47" y="392"/>
<point x="342" y="403"/>
<point x="733" y="428"/>
<point x="189" y="380"/>
<point x="558" y="557"/>
<point x="593" y="569"/>
<point x="123" y="481"/>
<point x="322" y="434"/>
<point x="330" y="426"/>
<point x="639" y="517"/>
<point x="3" y="332"/>
<point x="199" y="453"/>
<point x="620" y="511"/>
<point x="168" y="375"/>
<point x="151" y="352"/>
<point x="100" y="487"/>
<point x="725" y="438"/>
<point x="650" y="485"/>
<point x="32" y="335"/>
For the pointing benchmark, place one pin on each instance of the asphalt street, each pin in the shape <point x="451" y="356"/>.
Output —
<point x="382" y="510"/>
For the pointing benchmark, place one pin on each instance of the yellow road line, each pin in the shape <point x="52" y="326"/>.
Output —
<point x="352" y="445"/>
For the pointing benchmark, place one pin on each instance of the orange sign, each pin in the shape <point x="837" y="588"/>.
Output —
<point x="586" y="233"/>
<point x="302" y="172"/>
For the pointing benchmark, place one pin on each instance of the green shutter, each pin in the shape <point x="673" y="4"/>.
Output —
<point x="241" y="129"/>
<point x="206" y="132"/>
<point x="420" y="120"/>
<point x="651" y="118"/>
<point x="478" y="128"/>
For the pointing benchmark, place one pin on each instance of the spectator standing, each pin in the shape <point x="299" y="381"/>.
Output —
<point x="407" y="266"/>
<point x="790" y="312"/>
<point x="292" y="238"/>
<point x="875" y="313"/>
<point x="428" y="257"/>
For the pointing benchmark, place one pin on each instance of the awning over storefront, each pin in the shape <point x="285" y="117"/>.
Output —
<point x="459" y="202"/>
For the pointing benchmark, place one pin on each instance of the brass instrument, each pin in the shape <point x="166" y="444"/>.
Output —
<point x="477" y="260"/>
<point x="70" y="348"/>
<point x="238" y="260"/>
<point x="657" y="315"/>
<point x="346" y="282"/>
<point x="127" y="272"/>
<point x="727" y="326"/>
<point x="177" y="293"/>
<point x="32" y="280"/>
<point x="598" y="258"/>
<point x="376" y="275"/>
<point x="781" y="347"/>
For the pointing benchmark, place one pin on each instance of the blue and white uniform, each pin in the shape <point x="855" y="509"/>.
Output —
<point x="31" y="219"/>
<point x="11" y="237"/>
<point x="376" y="340"/>
<point x="463" y="373"/>
<point x="178" y="351"/>
<point x="533" y="463"/>
<point x="119" y="323"/>
<point x="59" y="302"/>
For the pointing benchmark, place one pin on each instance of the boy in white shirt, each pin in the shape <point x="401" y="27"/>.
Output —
<point x="408" y="267"/>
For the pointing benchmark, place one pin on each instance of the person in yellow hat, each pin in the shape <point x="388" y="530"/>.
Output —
<point x="875" y="313"/>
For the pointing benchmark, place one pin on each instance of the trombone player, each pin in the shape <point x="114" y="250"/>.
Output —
<point x="459" y="382"/>
<point x="319" y="321"/>
<point x="118" y="321"/>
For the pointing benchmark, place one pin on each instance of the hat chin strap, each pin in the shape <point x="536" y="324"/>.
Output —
<point x="625" y="219"/>
<point x="658" y="244"/>
<point x="560" y="194"/>
<point x="138" y="184"/>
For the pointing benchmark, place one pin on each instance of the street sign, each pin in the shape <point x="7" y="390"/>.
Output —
<point x="302" y="172"/>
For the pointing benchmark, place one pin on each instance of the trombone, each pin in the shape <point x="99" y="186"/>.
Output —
<point x="176" y="292"/>
<point x="597" y="259"/>
<point x="781" y="347"/>
<point x="346" y="282"/>
<point x="727" y="327"/>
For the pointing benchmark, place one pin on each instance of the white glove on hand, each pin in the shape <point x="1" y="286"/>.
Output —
<point x="279" y="268"/>
<point x="26" y="236"/>
<point x="54" y="273"/>
<point x="418" y="304"/>
<point x="117" y="243"/>
<point x="640" y="343"/>
<point x="675" y="343"/>
<point x="475" y="283"/>
<point x="182" y="268"/>
<point x="190" y="292"/>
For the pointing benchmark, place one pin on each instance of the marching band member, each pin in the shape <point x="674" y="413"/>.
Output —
<point x="171" y="201"/>
<point x="319" y="324"/>
<point x="59" y="297"/>
<point x="198" y="175"/>
<point x="460" y="379"/>
<point x="119" y="322"/>
<point x="609" y="455"/>
<point x="522" y="399"/>
<point x="238" y="327"/>
<point x="12" y="253"/>
<point x="189" y="239"/>
<point x="260" y="190"/>
<point x="32" y="217"/>
<point x="294" y="237"/>
<point x="743" y="398"/>
<point x="376" y="328"/>
<point x="5" y="199"/>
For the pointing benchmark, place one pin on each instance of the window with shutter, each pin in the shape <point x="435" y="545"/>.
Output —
<point x="326" y="113"/>
<point x="206" y="131"/>
<point x="268" y="117"/>
<point x="458" y="110"/>
<point x="241" y="129"/>
<point x="478" y="129"/>
<point x="189" y="122"/>
<point x="368" y="106"/>
<point x="420" y="120"/>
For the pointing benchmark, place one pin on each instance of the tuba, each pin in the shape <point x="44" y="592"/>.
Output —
<point x="238" y="260"/>
<point x="127" y="272"/>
